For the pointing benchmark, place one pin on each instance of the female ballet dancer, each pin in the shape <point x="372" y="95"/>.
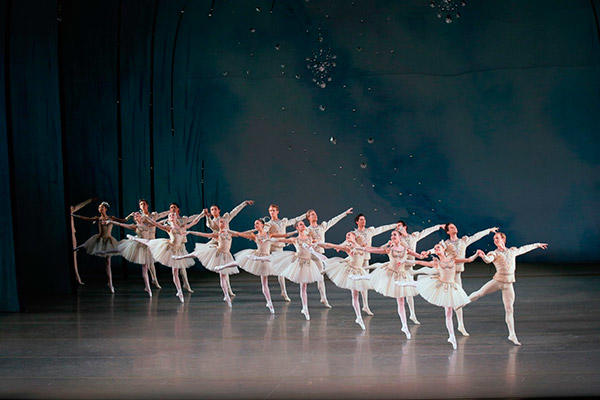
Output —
<point x="277" y="226"/>
<point x="441" y="289"/>
<point x="212" y="222"/>
<point x="182" y="220"/>
<point x="345" y="271"/>
<point x="102" y="244"/>
<point x="460" y="246"/>
<point x="257" y="261"/>
<point x="316" y="232"/>
<point x="410" y="240"/>
<point x="150" y="232"/>
<point x="135" y="251"/>
<point x="364" y="236"/>
<point x="165" y="250"/>
<point x="217" y="258"/>
<point x="385" y="275"/>
<point x="504" y="260"/>
<point x="298" y="266"/>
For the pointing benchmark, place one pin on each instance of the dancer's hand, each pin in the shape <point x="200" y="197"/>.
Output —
<point x="424" y="254"/>
<point x="250" y="202"/>
<point x="348" y="211"/>
<point x="543" y="246"/>
<point x="480" y="253"/>
<point x="494" y="229"/>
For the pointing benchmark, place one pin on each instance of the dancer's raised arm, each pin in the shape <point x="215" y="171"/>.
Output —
<point x="479" y="235"/>
<point x="381" y="229"/>
<point x="195" y="220"/>
<point x="338" y="247"/>
<point x="528" y="247"/>
<point x="85" y="218"/>
<point x="122" y="225"/>
<point x="337" y="219"/>
<point x="426" y="232"/>
<point x="239" y="208"/>
<point x="162" y="227"/>
<point x="202" y="234"/>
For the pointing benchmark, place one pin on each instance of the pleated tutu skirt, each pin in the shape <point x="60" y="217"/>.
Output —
<point x="298" y="270"/>
<point x="135" y="251"/>
<point x="255" y="267"/>
<point x="99" y="246"/>
<point x="339" y="270"/>
<point x="383" y="279"/>
<point x="440" y="293"/>
<point x="163" y="251"/>
<point x="212" y="258"/>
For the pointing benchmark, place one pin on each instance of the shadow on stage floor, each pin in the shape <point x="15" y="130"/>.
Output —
<point x="98" y="345"/>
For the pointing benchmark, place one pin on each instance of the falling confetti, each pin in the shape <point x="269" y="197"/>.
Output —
<point x="321" y="65"/>
<point x="277" y="46"/>
<point x="447" y="8"/>
<point x="370" y="140"/>
<point x="322" y="107"/>
<point x="333" y="140"/>
<point x="363" y="165"/>
<point x="252" y="30"/>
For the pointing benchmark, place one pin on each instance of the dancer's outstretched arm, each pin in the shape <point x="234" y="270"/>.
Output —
<point x="480" y="235"/>
<point x="337" y="247"/>
<point x="381" y="229"/>
<point x="337" y="219"/>
<point x="162" y="227"/>
<point x="202" y="234"/>
<point x="247" y="235"/>
<point x="467" y="260"/>
<point x="283" y="235"/>
<point x="293" y="221"/>
<point x="86" y="218"/>
<point x="528" y="247"/>
<point x="195" y="220"/>
<point x="426" y="232"/>
<point x="239" y="208"/>
<point x="122" y="225"/>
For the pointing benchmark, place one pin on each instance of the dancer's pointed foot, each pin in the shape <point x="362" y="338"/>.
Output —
<point x="414" y="319"/>
<point x="360" y="322"/>
<point x="406" y="332"/>
<point x="80" y="282"/>
<point x="306" y="314"/>
<point x="513" y="338"/>
<point x="155" y="283"/>
<point x="285" y="296"/>
<point x="462" y="330"/>
<point x="229" y="302"/>
<point x="461" y="306"/>
<point x="231" y="294"/>
<point x="189" y="289"/>
<point x="367" y="310"/>
<point x="325" y="303"/>
<point x="452" y="341"/>
<point x="111" y="288"/>
<point x="147" y="290"/>
<point x="180" y="295"/>
<point x="270" y="307"/>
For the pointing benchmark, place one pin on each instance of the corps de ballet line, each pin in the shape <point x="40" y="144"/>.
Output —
<point x="439" y="281"/>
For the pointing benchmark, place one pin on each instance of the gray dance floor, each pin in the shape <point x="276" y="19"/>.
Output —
<point x="126" y="345"/>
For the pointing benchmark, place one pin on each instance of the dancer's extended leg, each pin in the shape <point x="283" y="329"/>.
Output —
<point x="109" y="274"/>
<point x="356" y="306"/>
<point x="508" y="298"/>
<point x="402" y="314"/>
<point x="146" y="281"/>
<point x="223" y="282"/>
<point x="184" y="277"/>
<point x="459" y="312"/>
<point x="264" y="280"/>
<point x="304" y="299"/>
<point x="365" y="298"/>
<point x="284" y="294"/>
<point x="450" y="327"/>
<point x="323" y="292"/>
<point x="177" y="284"/>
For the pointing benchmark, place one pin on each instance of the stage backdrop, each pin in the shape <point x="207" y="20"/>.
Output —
<point x="489" y="120"/>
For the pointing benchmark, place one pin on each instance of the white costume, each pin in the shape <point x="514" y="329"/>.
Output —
<point x="340" y="270"/>
<point x="297" y="266"/>
<point x="213" y="256"/>
<point x="252" y="260"/>
<point x="385" y="275"/>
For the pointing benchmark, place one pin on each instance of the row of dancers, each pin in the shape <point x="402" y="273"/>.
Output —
<point x="439" y="282"/>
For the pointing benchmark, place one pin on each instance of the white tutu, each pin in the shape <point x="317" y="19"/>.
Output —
<point x="101" y="247"/>
<point x="163" y="251"/>
<point x="441" y="293"/>
<point x="256" y="267"/>
<point x="290" y="266"/>
<point x="135" y="251"/>
<point x="383" y="279"/>
<point x="211" y="258"/>
<point x="339" y="270"/>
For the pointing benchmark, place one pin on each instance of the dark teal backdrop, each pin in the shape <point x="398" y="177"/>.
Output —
<point x="489" y="120"/>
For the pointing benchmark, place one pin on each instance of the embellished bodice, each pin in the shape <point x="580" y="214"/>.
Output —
<point x="301" y="251"/>
<point x="506" y="265"/>
<point x="447" y="269"/>
<point x="317" y="233"/>
<point x="104" y="230"/>
<point x="224" y="241"/>
<point x="144" y="231"/>
<point x="263" y="244"/>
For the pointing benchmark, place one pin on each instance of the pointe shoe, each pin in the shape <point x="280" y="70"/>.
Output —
<point x="285" y="296"/>
<point x="180" y="295"/>
<point x="81" y="283"/>
<point x="270" y="307"/>
<point x="111" y="288"/>
<point x="452" y="341"/>
<point x="228" y="301"/>
<point x="147" y="290"/>
<point x="360" y="322"/>
<point x="406" y="332"/>
<point x="155" y="283"/>
<point x="231" y="294"/>
<point x="514" y="340"/>
<point x="306" y="314"/>
<point x="414" y="319"/>
<point x="325" y="303"/>
<point x="462" y="330"/>
<point x="368" y="311"/>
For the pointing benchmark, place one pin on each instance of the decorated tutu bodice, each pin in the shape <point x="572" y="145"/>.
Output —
<point x="104" y="230"/>
<point x="397" y="256"/>
<point x="302" y="252"/>
<point x="144" y="231"/>
<point x="263" y="245"/>
<point x="177" y="236"/>
<point x="356" y="257"/>
<point x="224" y="241"/>
<point x="447" y="270"/>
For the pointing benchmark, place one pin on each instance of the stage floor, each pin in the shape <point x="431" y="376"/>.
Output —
<point x="99" y="345"/>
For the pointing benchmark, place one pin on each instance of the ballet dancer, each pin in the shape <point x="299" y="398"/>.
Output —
<point x="384" y="276"/>
<point x="212" y="223"/>
<point x="135" y="251"/>
<point x="460" y="246"/>
<point x="441" y="289"/>
<point x="74" y="209"/>
<point x="257" y="261"/>
<point x="277" y="226"/>
<point x="316" y="232"/>
<point x="217" y="258"/>
<point x="150" y="232"/>
<point x="504" y="260"/>
<point x="364" y="236"/>
<point x="410" y="240"/>
<point x="346" y="272"/>
<point x="182" y="220"/>
<point x="102" y="244"/>
<point x="298" y="266"/>
<point x="164" y="250"/>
